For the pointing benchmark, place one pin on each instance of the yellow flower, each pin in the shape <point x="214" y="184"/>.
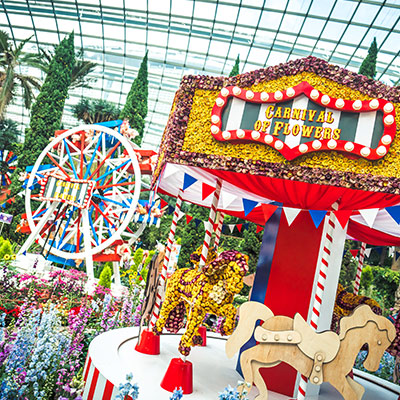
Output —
<point x="13" y="257"/>
<point x="6" y="257"/>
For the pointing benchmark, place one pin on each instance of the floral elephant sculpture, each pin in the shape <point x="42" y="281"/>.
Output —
<point x="197" y="292"/>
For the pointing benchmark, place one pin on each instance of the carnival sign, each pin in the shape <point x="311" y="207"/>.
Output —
<point x="301" y="119"/>
<point x="76" y="192"/>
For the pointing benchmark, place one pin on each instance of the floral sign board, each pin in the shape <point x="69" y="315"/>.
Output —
<point x="76" y="192"/>
<point x="301" y="119"/>
<point x="305" y="120"/>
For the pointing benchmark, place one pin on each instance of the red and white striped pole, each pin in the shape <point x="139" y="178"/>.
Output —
<point x="210" y="224"/>
<point x="360" y="267"/>
<point x="218" y="231"/>
<point x="319" y="292"/>
<point x="163" y="275"/>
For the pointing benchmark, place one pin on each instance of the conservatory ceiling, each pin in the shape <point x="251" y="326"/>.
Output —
<point x="200" y="37"/>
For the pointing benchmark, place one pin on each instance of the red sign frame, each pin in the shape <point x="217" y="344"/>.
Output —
<point x="348" y="147"/>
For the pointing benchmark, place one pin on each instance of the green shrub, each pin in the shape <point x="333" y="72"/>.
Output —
<point x="105" y="277"/>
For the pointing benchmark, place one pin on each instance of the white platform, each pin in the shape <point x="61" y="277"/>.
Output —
<point x="113" y="354"/>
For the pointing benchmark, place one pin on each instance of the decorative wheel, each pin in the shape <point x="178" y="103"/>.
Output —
<point x="8" y="161"/>
<point x="90" y="182"/>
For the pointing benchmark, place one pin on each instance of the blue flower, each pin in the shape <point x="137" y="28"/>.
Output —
<point x="177" y="394"/>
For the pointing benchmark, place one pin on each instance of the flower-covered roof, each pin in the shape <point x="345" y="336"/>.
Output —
<point x="188" y="138"/>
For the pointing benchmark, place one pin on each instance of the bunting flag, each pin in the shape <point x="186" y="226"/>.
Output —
<point x="163" y="203"/>
<point x="171" y="170"/>
<point x="170" y="210"/>
<point x="268" y="210"/>
<point x="369" y="215"/>
<point x="391" y="251"/>
<point x="180" y="215"/>
<point x="188" y="218"/>
<point x="206" y="190"/>
<point x="368" y="252"/>
<point x="197" y="222"/>
<point x="397" y="254"/>
<point x="249" y="206"/>
<point x="188" y="180"/>
<point x="259" y="228"/>
<point x="291" y="214"/>
<point x="227" y="199"/>
<point x="239" y="227"/>
<point x="231" y="227"/>
<point x="246" y="226"/>
<point x="379" y="250"/>
<point x="394" y="212"/>
<point x="354" y="252"/>
<point x="343" y="217"/>
<point x="317" y="216"/>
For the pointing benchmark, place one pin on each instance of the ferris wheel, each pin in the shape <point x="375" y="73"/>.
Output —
<point x="82" y="193"/>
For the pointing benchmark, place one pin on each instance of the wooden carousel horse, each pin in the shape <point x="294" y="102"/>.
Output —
<point x="321" y="357"/>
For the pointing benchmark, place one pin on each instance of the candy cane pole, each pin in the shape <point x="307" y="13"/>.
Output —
<point x="218" y="231"/>
<point x="163" y="275"/>
<point x="359" y="268"/>
<point x="319" y="292"/>
<point x="210" y="225"/>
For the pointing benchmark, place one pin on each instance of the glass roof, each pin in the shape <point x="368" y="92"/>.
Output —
<point x="200" y="37"/>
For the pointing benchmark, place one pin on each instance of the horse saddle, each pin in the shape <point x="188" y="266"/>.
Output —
<point x="320" y="347"/>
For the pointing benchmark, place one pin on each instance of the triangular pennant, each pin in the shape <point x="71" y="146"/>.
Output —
<point x="188" y="218"/>
<point x="32" y="187"/>
<point x="248" y="206"/>
<point x="180" y="214"/>
<point x="246" y="226"/>
<point x="367" y="252"/>
<point x="397" y="253"/>
<point x="170" y="210"/>
<point x="227" y="199"/>
<point x="205" y="223"/>
<point x="268" y="210"/>
<point x="291" y="214"/>
<point x="354" y="252"/>
<point x="239" y="227"/>
<point x="188" y="181"/>
<point x="378" y="250"/>
<point x="24" y="253"/>
<point x="343" y="217"/>
<point x="317" y="216"/>
<point x="197" y="222"/>
<point x="206" y="190"/>
<point x="391" y="251"/>
<point x="259" y="228"/>
<point x="394" y="212"/>
<point x="20" y="194"/>
<point x="170" y="170"/>
<point x="369" y="215"/>
<point x="163" y="203"/>
<point x="231" y="227"/>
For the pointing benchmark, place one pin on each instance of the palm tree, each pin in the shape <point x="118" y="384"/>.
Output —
<point x="91" y="112"/>
<point x="11" y="58"/>
<point x="80" y="71"/>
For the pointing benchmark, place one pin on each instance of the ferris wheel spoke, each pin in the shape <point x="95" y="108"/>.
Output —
<point x="88" y="168"/>
<point x="122" y="183"/>
<point x="109" y="154"/>
<point x="113" y="170"/>
<point x="71" y="160"/>
<point x="93" y="229"/>
<point x="58" y="165"/>
<point x="66" y="226"/>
